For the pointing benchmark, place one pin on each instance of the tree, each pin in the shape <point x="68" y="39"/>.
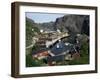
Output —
<point x="30" y="62"/>
<point x="31" y="29"/>
<point x="84" y="53"/>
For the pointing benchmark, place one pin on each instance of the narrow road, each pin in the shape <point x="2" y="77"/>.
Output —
<point x="29" y="46"/>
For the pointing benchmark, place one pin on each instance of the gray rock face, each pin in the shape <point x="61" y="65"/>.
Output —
<point x="72" y="23"/>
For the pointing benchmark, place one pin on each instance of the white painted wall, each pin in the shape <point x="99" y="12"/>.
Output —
<point x="5" y="40"/>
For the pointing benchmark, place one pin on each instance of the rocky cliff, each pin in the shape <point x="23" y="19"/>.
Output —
<point x="73" y="24"/>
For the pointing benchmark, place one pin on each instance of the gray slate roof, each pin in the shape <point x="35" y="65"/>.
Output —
<point x="62" y="48"/>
